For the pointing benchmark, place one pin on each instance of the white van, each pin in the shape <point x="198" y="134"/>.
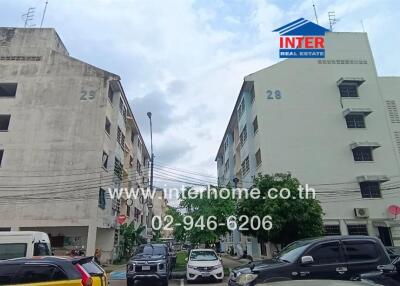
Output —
<point x="16" y="244"/>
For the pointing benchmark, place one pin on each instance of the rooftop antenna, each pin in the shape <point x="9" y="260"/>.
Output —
<point x="315" y="12"/>
<point x="28" y="17"/>
<point x="362" y="25"/>
<point x="332" y="19"/>
<point x="44" y="13"/>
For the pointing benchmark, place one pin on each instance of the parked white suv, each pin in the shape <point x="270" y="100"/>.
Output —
<point x="204" y="264"/>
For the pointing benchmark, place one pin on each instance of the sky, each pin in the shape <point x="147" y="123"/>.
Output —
<point x="185" y="60"/>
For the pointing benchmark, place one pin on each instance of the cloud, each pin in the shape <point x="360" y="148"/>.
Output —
<point x="172" y="151"/>
<point x="185" y="60"/>
<point x="157" y="103"/>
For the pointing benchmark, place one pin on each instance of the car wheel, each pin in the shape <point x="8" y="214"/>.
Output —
<point x="220" y="280"/>
<point x="130" y="282"/>
<point x="164" y="282"/>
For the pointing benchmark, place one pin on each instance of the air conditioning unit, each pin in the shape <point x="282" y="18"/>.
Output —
<point x="361" y="212"/>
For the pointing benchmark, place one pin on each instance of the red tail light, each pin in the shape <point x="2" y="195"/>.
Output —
<point x="86" y="278"/>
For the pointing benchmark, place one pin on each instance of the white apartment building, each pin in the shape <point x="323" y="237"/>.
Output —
<point x="67" y="134"/>
<point x="334" y="124"/>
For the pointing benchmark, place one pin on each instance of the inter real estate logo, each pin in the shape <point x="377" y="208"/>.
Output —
<point x="301" y="39"/>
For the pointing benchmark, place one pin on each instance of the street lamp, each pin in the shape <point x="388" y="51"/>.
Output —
<point x="151" y="151"/>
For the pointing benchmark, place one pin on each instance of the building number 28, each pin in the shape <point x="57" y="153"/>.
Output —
<point x="274" y="94"/>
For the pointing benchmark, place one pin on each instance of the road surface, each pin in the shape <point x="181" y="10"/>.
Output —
<point x="173" y="282"/>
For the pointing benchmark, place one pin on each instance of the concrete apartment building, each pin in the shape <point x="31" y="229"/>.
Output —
<point x="334" y="124"/>
<point x="67" y="135"/>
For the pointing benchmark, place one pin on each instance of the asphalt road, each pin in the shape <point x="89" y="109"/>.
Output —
<point x="173" y="282"/>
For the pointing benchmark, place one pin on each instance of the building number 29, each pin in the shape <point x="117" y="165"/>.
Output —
<point x="274" y="94"/>
<point x="88" y="95"/>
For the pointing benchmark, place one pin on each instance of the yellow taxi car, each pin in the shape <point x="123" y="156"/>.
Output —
<point x="52" y="271"/>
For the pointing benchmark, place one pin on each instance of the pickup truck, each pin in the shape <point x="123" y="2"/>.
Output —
<point x="332" y="257"/>
<point x="149" y="262"/>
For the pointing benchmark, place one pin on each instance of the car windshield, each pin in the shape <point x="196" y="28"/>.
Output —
<point x="150" y="250"/>
<point x="292" y="252"/>
<point x="203" y="256"/>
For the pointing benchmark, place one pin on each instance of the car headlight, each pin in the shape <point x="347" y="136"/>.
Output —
<point x="243" y="279"/>
<point x="191" y="266"/>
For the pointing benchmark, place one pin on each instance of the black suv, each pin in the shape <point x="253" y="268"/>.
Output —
<point x="334" y="257"/>
<point x="150" y="261"/>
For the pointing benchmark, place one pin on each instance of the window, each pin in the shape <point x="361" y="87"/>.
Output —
<point x="41" y="249"/>
<point x="118" y="168"/>
<point x="102" y="199"/>
<point x="132" y="137"/>
<point x="245" y="166"/>
<point x="332" y="230"/>
<point x="326" y="253"/>
<point x="241" y="108"/>
<point x="122" y="108"/>
<point x="8" y="272"/>
<point x="355" y="121"/>
<point x="128" y="211"/>
<point x="252" y="95"/>
<point x="139" y="167"/>
<point x="370" y="189"/>
<point x="360" y="250"/>
<point x="8" y="89"/>
<point x="131" y="161"/>
<point x="108" y="126"/>
<point x="357" y="229"/>
<point x="4" y="122"/>
<point x="255" y="125"/>
<point x="1" y="156"/>
<point x="105" y="160"/>
<point x="140" y="145"/>
<point x="227" y="166"/>
<point x="243" y="136"/>
<point x="258" y="157"/>
<point x="40" y="273"/>
<point x="348" y="90"/>
<point x="12" y="250"/>
<point x="110" y="94"/>
<point x="362" y="154"/>
<point x="226" y="144"/>
<point x="136" y="214"/>
<point x="120" y="138"/>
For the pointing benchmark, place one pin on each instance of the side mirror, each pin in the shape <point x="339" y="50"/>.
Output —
<point x="307" y="260"/>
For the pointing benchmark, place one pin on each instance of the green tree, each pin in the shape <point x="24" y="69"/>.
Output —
<point x="292" y="219"/>
<point x="178" y="230"/>
<point x="131" y="237"/>
<point x="203" y="207"/>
